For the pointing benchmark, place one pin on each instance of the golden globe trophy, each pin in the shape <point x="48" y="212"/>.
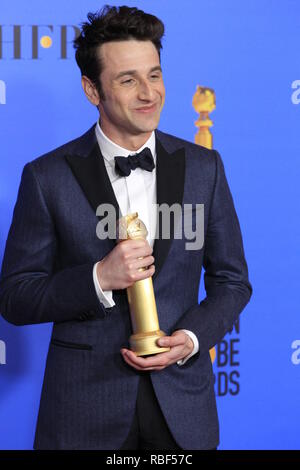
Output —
<point x="142" y="305"/>
<point x="204" y="102"/>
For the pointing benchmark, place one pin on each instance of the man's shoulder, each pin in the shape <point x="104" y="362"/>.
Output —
<point x="199" y="160"/>
<point x="172" y="143"/>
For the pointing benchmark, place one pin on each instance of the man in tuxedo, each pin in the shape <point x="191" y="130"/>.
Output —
<point x="97" y="393"/>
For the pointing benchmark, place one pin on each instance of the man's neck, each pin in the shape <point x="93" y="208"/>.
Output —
<point x="129" y="142"/>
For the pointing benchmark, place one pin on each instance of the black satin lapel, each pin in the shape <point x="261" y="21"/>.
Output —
<point x="170" y="174"/>
<point x="93" y="179"/>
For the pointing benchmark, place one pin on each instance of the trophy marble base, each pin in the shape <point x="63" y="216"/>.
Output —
<point x="144" y="344"/>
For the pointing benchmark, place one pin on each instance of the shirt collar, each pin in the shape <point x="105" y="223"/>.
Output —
<point x="110" y="149"/>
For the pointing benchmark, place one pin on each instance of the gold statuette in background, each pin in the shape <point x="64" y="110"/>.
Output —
<point x="204" y="102"/>
<point x="141" y="298"/>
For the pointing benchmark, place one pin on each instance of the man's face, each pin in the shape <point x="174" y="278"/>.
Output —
<point x="133" y="87"/>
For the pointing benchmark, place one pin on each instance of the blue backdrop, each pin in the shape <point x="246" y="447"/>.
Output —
<point x="248" y="52"/>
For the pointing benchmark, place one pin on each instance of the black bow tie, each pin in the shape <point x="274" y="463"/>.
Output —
<point x="144" y="160"/>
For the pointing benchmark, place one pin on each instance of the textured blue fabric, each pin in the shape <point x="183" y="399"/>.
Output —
<point x="89" y="393"/>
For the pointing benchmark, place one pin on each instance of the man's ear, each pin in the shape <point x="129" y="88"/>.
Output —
<point x="90" y="90"/>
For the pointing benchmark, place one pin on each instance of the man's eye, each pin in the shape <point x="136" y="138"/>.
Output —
<point x="128" y="81"/>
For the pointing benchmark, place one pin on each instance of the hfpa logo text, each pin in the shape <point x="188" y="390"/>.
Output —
<point x="2" y="92"/>
<point x="30" y="41"/>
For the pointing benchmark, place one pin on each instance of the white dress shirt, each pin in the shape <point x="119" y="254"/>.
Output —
<point x="134" y="193"/>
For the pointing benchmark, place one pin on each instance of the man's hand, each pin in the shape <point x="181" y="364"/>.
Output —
<point x="181" y="346"/>
<point x="120" y="268"/>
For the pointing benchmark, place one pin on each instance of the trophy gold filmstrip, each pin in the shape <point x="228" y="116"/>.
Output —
<point x="142" y="305"/>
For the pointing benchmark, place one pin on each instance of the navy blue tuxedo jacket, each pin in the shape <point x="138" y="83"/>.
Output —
<point x="89" y="392"/>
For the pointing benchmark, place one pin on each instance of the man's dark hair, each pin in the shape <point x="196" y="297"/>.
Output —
<point x="113" y="24"/>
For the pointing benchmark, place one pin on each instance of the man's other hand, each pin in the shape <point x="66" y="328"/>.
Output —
<point x="181" y="346"/>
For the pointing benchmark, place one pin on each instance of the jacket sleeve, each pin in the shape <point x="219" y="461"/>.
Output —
<point x="226" y="274"/>
<point x="32" y="290"/>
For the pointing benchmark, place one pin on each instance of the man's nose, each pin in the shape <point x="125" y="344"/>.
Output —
<point x="145" y="90"/>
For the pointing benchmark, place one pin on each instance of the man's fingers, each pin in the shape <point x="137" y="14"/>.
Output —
<point x="144" y="362"/>
<point x="136" y="248"/>
<point x="160" y="360"/>
<point x="134" y="243"/>
<point x="144" y="274"/>
<point x="128" y="359"/>
<point x="130" y="363"/>
<point x="145" y="261"/>
<point x="171" y="341"/>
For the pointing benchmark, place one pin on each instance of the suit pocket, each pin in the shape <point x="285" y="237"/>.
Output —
<point x="68" y="344"/>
